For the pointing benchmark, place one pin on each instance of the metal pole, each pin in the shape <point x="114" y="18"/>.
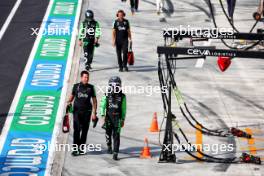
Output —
<point x="167" y="154"/>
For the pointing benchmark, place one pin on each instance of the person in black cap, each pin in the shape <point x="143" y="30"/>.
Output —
<point x="121" y="35"/>
<point x="89" y="35"/>
<point x="85" y="106"/>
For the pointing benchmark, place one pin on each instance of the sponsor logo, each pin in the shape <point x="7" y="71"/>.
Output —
<point x="198" y="52"/>
<point x="206" y="52"/>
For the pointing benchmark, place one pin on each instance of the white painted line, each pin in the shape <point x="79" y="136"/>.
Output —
<point x="23" y="80"/>
<point x="9" y="18"/>
<point x="199" y="63"/>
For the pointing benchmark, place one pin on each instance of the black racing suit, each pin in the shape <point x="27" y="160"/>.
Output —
<point x="121" y="28"/>
<point x="113" y="107"/>
<point x="82" y="109"/>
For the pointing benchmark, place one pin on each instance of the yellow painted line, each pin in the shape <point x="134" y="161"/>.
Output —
<point x="252" y="150"/>
<point x="189" y="158"/>
<point x="199" y="140"/>
<point x="251" y="142"/>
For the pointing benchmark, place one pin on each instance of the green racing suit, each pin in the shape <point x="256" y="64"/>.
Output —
<point x="113" y="109"/>
<point x="88" y="33"/>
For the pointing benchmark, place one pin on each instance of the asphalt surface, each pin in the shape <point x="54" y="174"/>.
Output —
<point x="218" y="100"/>
<point x="15" y="46"/>
<point x="5" y="8"/>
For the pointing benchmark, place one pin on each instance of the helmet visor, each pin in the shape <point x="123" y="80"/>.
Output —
<point x="114" y="88"/>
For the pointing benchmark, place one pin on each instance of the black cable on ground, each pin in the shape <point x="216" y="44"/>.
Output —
<point x="208" y="158"/>
<point x="231" y="22"/>
<point x="222" y="40"/>
<point x="253" y="27"/>
<point x="228" y="19"/>
<point x="206" y="130"/>
<point x="201" y="130"/>
<point x="179" y="98"/>
<point x="165" y="100"/>
<point x="190" y="114"/>
<point x="212" y="159"/>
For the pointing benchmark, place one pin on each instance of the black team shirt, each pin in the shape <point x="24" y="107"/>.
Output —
<point x="82" y="96"/>
<point x="121" y="28"/>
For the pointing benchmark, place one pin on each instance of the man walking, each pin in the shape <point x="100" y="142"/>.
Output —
<point x="121" y="35"/>
<point x="82" y="94"/>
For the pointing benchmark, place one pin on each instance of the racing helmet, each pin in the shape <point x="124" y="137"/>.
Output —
<point x="114" y="85"/>
<point x="89" y="15"/>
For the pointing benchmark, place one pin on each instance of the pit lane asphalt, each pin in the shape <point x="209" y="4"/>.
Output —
<point x="15" y="47"/>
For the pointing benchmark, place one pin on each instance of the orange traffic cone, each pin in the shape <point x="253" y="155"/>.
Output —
<point x="145" y="153"/>
<point x="154" y="124"/>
